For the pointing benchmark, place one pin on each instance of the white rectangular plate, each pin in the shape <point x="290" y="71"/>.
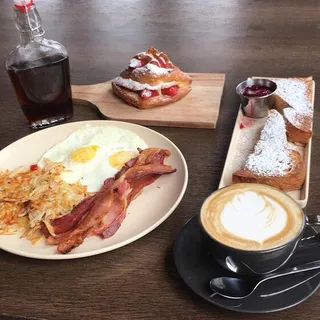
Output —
<point x="245" y="134"/>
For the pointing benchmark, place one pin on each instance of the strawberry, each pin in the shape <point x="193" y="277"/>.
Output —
<point x="162" y="62"/>
<point x="143" y="62"/>
<point x="145" y="94"/>
<point x="34" y="167"/>
<point x="137" y="63"/>
<point x="155" y="62"/>
<point x="171" y="91"/>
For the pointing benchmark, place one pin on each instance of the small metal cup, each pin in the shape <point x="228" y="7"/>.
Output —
<point x="256" y="107"/>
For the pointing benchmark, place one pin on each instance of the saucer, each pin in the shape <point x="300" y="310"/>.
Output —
<point x="197" y="268"/>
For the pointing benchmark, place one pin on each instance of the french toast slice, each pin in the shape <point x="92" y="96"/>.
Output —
<point x="272" y="161"/>
<point x="293" y="99"/>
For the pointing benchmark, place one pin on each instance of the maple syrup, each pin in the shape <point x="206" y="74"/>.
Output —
<point x="39" y="71"/>
<point x="43" y="92"/>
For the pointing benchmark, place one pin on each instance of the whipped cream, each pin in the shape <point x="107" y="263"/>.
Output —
<point x="254" y="217"/>
<point x="137" y="86"/>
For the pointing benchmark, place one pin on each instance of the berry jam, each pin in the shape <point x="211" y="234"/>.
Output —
<point x="171" y="91"/>
<point x="256" y="91"/>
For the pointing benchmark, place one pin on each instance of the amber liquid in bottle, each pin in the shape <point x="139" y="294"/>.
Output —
<point x="43" y="91"/>
<point x="39" y="71"/>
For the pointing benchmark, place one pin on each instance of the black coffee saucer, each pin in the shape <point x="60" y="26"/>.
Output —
<point x="196" y="267"/>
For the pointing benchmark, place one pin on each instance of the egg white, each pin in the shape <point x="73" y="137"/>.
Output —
<point x="93" y="173"/>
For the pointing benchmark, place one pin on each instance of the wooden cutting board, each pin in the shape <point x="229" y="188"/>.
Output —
<point x="199" y="109"/>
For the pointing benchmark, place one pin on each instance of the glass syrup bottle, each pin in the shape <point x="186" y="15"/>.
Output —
<point x="39" y="71"/>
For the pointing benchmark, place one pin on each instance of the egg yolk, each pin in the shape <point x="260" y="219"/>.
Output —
<point x="118" y="159"/>
<point x="84" y="154"/>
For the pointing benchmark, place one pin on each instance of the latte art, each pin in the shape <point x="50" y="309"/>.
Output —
<point x="251" y="217"/>
<point x="254" y="217"/>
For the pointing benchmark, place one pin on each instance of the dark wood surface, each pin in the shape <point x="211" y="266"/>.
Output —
<point x="239" y="38"/>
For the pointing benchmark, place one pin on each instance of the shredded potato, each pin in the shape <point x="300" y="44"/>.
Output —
<point x="28" y="197"/>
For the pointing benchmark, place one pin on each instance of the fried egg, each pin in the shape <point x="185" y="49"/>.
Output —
<point x="92" y="154"/>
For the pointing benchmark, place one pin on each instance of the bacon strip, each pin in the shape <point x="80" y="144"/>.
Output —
<point x="138" y="185"/>
<point x="126" y="166"/>
<point x="103" y="213"/>
<point x="113" y="228"/>
<point x="139" y="172"/>
<point x="73" y="239"/>
<point x="70" y="220"/>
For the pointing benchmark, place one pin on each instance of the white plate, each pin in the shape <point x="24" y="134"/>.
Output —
<point x="239" y="151"/>
<point x="241" y="146"/>
<point x="148" y="211"/>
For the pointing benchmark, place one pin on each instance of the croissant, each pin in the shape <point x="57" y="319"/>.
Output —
<point x="151" y="80"/>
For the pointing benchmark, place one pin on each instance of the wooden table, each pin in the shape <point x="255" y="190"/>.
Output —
<point x="239" y="38"/>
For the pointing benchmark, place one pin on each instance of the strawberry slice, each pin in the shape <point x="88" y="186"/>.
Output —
<point x="137" y="63"/>
<point x="145" y="94"/>
<point x="155" y="62"/>
<point x="171" y="91"/>
<point x="143" y="62"/>
<point x="162" y="61"/>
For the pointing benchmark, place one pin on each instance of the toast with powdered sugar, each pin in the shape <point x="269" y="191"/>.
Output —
<point x="293" y="99"/>
<point x="272" y="161"/>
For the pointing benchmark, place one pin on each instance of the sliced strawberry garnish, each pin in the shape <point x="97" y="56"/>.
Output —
<point x="137" y="63"/>
<point x="145" y="94"/>
<point x="155" y="62"/>
<point x="143" y="62"/>
<point x="162" y="62"/>
<point x="171" y="91"/>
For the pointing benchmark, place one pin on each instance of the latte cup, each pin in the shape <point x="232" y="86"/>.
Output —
<point x="253" y="229"/>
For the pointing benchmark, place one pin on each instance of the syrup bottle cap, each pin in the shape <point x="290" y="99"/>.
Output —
<point x="23" y="5"/>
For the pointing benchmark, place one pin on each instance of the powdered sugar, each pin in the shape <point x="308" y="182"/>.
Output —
<point x="152" y="62"/>
<point x="144" y="54"/>
<point x="271" y="155"/>
<point x="158" y="71"/>
<point x="297" y="119"/>
<point x="294" y="92"/>
<point x="137" y="86"/>
<point x="134" y="63"/>
<point x="245" y="144"/>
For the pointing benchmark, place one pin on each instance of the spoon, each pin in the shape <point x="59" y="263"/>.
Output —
<point x="313" y="220"/>
<point x="240" y="288"/>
